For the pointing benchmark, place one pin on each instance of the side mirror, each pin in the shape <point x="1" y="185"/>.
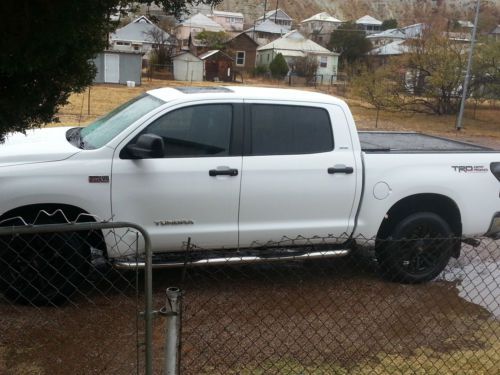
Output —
<point x="148" y="146"/>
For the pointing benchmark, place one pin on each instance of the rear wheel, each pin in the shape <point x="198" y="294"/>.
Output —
<point x="43" y="269"/>
<point x="417" y="250"/>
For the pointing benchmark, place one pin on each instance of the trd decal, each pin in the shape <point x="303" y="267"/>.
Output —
<point x="470" y="168"/>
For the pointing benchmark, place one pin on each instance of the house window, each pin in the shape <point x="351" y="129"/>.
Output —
<point x="323" y="62"/>
<point x="240" y="58"/>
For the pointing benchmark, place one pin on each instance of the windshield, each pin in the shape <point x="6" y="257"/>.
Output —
<point x="104" y="129"/>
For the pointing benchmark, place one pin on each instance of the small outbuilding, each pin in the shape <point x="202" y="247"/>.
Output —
<point x="118" y="67"/>
<point x="218" y="66"/>
<point x="188" y="67"/>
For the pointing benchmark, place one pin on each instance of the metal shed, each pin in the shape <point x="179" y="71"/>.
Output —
<point x="188" y="67"/>
<point x="118" y="67"/>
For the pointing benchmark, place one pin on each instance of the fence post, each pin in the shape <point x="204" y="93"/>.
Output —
<point x="172" y="311"/>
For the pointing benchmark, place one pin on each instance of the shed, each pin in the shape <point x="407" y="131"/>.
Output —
<point x="218" y="66"/>
<point x="188" y="67"/>
<point x="118" y="67"/>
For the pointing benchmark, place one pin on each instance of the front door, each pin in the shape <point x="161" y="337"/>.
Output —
<point x="193" y="191"/>
<point x="297" y="182"/>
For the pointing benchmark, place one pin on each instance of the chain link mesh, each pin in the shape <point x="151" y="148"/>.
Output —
<point x="63" y="308"/>
<point x="366" y="313"/>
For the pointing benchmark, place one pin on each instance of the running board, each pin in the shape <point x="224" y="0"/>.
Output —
<point x="234" y="260"/>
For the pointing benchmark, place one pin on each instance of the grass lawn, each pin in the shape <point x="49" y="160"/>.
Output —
<point x="483" y="126"/>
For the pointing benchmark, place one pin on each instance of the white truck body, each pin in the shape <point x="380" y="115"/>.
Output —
<point x="270" y="196"/>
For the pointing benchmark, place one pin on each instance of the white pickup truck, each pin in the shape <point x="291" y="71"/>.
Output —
<point x="232" y="167"/>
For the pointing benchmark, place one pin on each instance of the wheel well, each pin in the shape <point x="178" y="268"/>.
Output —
<point x="61" y="213"/>
<point x="436" y="203"/>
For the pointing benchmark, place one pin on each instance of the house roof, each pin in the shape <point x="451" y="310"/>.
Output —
<point x="466" y="24"/>
<point x="495" y="31"/>
<point x="390" y="33"/>
<point x="213" y="52"/>
<point x="368" y="20"/>
<point x="227" y="14"/>
<point x="295" y="41"/>
<point x="177" y="56"/>
<point x="269" y="27"/>
<point x="203" y="22"/>
<point x="323" y="17"/>
<point x="242" y="35"/>
<point x="280" y="14"/>
<point x="408" y="32"/>
<point x="391" y="49"/>
<point x="139" y="30"/>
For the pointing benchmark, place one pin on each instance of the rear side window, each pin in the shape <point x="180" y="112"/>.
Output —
<point x="288" y="130"/>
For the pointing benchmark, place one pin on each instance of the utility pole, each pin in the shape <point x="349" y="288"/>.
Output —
<point x="265" y="10"/>
<point x="469" y="67"/>
<point x="276" y="11"/>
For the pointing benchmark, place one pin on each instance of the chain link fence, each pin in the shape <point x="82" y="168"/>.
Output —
<point x="64" y="309"/>
<point x="364" y="313"/>
<point x="298" y="306"/>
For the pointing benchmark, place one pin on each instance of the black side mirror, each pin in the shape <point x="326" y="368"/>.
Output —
<point x="147" y="146"/>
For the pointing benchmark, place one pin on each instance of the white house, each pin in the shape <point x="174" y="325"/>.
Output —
<point x="279" y="17"/>
<point x="319" y="27"/>
<point x="193" y="26"/>
<point x="293" y="45"/>
<point x="230" y="21"/>
<point x="266" y="32"/>
<point x="369" y="24"/>
<point x="137" y="36"/>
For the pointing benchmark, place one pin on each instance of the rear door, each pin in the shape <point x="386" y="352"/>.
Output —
<point x="193" y="191"/>
<point x="299" y="176"/>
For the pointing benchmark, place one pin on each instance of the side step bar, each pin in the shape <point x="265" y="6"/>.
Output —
<point x="234" y="260"/>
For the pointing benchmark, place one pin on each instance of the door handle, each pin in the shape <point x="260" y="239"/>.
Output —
<point x="223" y="172"/>
<point x="340" y="169"/>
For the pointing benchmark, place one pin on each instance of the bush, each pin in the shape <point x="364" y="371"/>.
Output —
<point x="260" y="70"/>
<point x="278" y="67"/>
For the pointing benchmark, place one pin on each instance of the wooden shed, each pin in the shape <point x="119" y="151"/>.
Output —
<point x="218" y="66"/>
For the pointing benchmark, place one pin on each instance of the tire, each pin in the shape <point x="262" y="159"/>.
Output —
<point x="417" y="250"/>
<point x="43" y="269"/>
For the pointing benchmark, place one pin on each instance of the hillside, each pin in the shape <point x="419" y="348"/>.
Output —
<point x="406" y="11"/>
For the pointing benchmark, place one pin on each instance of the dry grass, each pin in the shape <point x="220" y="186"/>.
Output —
<point x="484" y="128"/>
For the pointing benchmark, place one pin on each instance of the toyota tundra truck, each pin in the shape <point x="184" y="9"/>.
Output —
<point x="235" y="168"/>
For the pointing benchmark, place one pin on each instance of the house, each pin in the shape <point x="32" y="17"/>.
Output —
<point x="319" y="27"/>
<point x="369" y="24"/>
<point x="294" y="45"/>
<point x="118" y="67"/>
<point x="187" y="67"/>
<point x="392" y="35"/>
<point x="380" y="56"/>
<point x="218" y="66"/>
<point x="495" y="33"/>
<point x="138" y="36"/>
<point x="194" y="25"/>
<point x="279" y="17"/>
<point x="266" y="32"/>
<point x="244" y="50"/>
<point x="230" y="21"/>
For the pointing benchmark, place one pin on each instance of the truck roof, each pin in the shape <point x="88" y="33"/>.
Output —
<point x="241" y="92"/>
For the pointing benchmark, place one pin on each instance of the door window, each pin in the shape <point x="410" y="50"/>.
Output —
<point x="196" y="131"/>
<point x="289" y="130"/>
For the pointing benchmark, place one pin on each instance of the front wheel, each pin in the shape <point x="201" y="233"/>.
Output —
<point x="417" y="250"/>
<point x="43" y="269"/>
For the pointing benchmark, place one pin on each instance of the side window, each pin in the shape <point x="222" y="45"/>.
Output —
<point x="288" y="130"/>
<point x="197" y="131"/>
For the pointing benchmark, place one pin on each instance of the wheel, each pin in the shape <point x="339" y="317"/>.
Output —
<point x="417" y="250"/>
<point x="43" y="269"/>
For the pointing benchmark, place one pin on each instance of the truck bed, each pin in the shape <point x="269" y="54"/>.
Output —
<point x="379" y="141"/>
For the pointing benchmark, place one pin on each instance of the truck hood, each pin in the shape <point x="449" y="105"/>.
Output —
<point x="36" y="146"/>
